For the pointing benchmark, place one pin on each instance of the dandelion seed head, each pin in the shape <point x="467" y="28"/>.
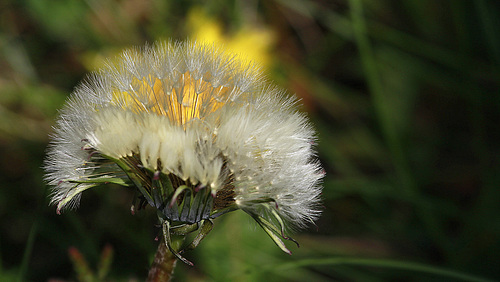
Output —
<point x="193" y="111"/>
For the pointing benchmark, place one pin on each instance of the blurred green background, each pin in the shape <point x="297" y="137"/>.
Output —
<point x="404" y="95"/>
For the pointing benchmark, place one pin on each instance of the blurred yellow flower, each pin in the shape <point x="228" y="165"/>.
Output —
<point x="251" y="43"/>
<point x="254" y="44"/>
<point x="93" y="60"/>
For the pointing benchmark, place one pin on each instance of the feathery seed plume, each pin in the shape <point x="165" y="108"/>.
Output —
<point x="197" y="132"/>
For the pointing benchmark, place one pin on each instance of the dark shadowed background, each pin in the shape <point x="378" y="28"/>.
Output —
<point x="404" y="95"/>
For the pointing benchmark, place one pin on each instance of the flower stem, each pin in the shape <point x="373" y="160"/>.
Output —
<point x="162" y="268"/>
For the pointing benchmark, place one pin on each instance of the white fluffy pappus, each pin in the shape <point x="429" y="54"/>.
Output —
<point x="193" y="111"/>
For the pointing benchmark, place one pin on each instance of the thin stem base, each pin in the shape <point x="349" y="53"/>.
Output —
<point x="162" y="268"/>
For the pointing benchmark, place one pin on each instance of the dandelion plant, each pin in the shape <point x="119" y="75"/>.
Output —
<point x="196" y="133"/>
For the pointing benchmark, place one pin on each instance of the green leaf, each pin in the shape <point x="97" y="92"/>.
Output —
<point x="272" y="231"/>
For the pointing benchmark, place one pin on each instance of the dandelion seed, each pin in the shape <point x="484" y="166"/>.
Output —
<point x="197" y="133"/>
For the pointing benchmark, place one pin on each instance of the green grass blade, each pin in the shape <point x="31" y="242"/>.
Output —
<point x="382" y="263"/>
<point x="27" y="251"/>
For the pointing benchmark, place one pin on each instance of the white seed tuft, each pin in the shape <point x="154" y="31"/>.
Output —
<point x="202" y="115"/>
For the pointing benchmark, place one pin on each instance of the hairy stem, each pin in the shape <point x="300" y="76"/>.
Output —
<point x="162" y="268"/>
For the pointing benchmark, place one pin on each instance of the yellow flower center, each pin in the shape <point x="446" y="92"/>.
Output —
<point x="181" y="100"/>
